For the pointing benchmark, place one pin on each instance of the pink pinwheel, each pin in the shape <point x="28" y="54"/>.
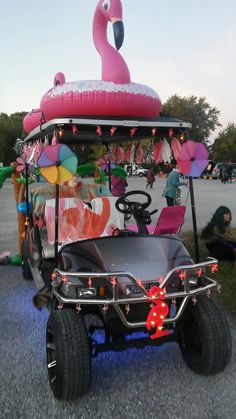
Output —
<point x="193" y="158"/>
<point x="105" y="161"/>
<point x="21" y="165"/>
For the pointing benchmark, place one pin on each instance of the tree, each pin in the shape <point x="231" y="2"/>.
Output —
<point x="10" y="130"/>
<point x="224" y="147"/>
<point x="197" y="111"/>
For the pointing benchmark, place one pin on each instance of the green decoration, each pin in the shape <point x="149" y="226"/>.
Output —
<point x="119" y="171"/>
<point x="86" y="169"/>
<point x="15" y="260"/>
<point x="5" y="172"/>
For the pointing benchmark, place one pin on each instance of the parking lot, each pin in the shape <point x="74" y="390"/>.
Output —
<point x="148" y="383"/>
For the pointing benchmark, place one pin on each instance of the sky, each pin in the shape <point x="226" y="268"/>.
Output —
<point x="175" y="47"/>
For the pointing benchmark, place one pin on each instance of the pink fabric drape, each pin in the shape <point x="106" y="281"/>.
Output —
<point x="139" y="154"/>
<point x="175" y="147"/>
<point x="128" y="153"/>
<point x="157" y="152"/>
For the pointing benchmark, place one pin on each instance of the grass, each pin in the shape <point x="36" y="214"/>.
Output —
<point x="225" y="276"/>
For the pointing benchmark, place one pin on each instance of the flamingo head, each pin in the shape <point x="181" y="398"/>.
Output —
<point x="59" y="79"/>
<point x="112" y="11"/>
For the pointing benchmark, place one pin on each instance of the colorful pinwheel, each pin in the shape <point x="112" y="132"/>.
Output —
<point x="57" y="163"/>
<point x="21" y="165"/>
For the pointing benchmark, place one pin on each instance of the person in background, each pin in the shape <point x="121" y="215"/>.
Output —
<point x="218" y="237"/>
<point x="118" y="181"/>
<point x="150" y="177"/>
<point x="173" y="182"/>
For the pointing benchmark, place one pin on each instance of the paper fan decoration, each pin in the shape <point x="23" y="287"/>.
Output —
<point x="193" y="158"/>
<point x="57" y="163"/>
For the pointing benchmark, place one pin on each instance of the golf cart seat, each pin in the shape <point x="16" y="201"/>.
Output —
<point x="78" y="221"/>
<point x="170" y="221"/>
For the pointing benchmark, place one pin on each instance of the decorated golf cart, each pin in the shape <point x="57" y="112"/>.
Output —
<point x="95" y="276"/>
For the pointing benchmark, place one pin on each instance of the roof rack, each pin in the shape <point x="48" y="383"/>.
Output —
<point x="107" y="130"/>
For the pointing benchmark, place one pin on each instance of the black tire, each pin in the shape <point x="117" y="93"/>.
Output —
<point x="68" y="355"/>
<point x="204" y="336"/>
<point x="26" y="272"/>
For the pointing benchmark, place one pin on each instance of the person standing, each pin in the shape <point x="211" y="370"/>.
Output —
<point x="118" y="181"/>
<point x="173" y="182"/>
<point x="150" y="177"/>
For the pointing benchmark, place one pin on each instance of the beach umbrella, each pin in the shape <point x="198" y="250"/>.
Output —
<point x="192" y="160"/>
<point x="57" y="163"/>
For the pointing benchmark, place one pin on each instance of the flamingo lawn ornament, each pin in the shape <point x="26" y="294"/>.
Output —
<point x="115" y="94"/>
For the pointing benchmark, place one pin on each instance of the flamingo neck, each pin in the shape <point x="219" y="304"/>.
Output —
<point x="114" y="67"/>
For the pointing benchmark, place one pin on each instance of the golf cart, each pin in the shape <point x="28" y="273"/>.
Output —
<point x="122" y="282"/>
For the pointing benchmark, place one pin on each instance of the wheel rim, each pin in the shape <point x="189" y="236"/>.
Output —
<point x="51" y="356"/>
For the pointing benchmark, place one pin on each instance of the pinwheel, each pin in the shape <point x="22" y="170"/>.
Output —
<point x="105" y="162"/>
<point x="192" y="160"/>
<point x="57" y="163"/>
<point x="22" y="164"/>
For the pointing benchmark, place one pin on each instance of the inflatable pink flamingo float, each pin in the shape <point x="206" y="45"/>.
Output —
<point x="114" y="95"/>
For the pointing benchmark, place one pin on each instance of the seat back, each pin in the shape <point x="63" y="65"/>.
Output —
<point x="170" y="220"/>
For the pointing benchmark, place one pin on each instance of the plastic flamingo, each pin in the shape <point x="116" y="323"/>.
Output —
<point x="114" y="95"/>
<point x="110" y="11"/>
<point x="157" y="313"/>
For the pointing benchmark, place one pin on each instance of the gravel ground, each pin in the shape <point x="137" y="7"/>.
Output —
<point x="149" y="383"/>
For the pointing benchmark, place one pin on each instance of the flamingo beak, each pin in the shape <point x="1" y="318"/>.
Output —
<point x="118" y="30"/>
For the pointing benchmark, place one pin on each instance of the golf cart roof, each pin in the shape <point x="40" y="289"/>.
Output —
<point x="85" y="130"/>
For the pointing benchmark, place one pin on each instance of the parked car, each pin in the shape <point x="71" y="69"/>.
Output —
<point x="219" y="166"/>
<point x="135" y="169"/>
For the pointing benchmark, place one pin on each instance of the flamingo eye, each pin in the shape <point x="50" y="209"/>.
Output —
<point x="106" y="5"/>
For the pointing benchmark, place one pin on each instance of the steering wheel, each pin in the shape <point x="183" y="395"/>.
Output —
<point x="131" y="207"/>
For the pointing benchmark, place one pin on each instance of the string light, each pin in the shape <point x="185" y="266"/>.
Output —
<point x="113" y="130"/>
<point x="99" y="131"/>
<point x="171" y="132"/>
<point x="60" y="132"/>
<point x="132" y="131"/>
<point x="74" y="129"/>
<point x="214" y="268"/>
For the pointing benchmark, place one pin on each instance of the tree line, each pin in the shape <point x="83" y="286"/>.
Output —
<point x="203" y="117"/>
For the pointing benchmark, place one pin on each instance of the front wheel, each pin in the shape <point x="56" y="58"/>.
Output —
<point x="204" y="336"/>
<point x="68" y="355"/>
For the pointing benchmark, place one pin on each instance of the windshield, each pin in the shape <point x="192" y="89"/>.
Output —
<point x="146" y="257"/>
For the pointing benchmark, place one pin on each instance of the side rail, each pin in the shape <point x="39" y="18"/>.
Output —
<point x="193" y="280"/>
